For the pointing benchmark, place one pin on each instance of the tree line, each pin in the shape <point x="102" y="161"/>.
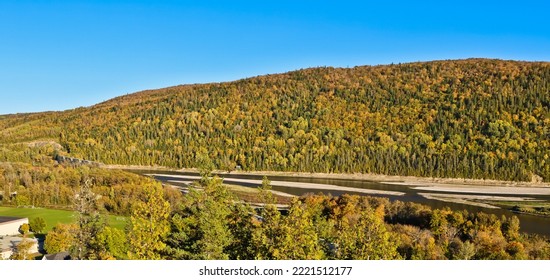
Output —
<point x="55" y="186"/>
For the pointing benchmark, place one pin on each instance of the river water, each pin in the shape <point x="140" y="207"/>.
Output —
<point x="529" y="223"/>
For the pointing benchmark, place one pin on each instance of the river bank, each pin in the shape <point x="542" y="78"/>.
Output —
<point x="186" y="179"/>
<point x="391" y="179"/>
<point x="505" y="204"/>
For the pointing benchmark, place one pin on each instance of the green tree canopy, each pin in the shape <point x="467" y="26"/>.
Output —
<point x="149" y="225"/>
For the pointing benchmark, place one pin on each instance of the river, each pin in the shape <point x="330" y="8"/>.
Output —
<point x="529" y="223"/>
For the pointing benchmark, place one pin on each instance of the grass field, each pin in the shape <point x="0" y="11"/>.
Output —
<point x="53" y="217"/>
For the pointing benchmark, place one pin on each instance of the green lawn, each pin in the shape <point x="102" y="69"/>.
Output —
<point x="53" y="217"/>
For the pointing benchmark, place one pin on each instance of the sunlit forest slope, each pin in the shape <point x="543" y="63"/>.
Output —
<point x="474" y="118"/>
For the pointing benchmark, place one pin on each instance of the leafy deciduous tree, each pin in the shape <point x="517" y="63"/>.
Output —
<point x="149" y="225"/>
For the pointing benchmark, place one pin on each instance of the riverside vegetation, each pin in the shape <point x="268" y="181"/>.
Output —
<point x="210" y="222"/>
<point x="471" y="118"/>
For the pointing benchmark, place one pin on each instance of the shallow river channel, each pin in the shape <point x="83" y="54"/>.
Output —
<point x="529" y="223"/>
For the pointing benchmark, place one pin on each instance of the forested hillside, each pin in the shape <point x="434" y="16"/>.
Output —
<point x="472" y="118"/>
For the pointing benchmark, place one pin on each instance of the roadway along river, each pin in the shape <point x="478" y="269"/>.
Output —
<point x="398" y="191"/>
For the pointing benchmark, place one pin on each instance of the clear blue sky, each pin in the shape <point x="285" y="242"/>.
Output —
<point x="57" y="55"/>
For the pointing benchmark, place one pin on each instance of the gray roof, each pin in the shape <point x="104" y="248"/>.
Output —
<point x="4" y="219"/>
<point x="57" y="256"/>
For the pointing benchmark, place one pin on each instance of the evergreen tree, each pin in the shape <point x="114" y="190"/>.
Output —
<point x="90" y="224"/>
<point x="202" y="230"/>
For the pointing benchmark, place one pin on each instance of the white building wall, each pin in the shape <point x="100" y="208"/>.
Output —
<point x="12" y="228"/>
